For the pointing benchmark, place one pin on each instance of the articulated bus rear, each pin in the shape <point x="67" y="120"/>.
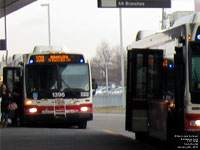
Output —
<point x="57" y="88"/>
<point x="164" y="100"/>
<point x="192" y="110"/>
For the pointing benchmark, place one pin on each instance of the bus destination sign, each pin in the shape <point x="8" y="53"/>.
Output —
<point x="134" y="3"/>
<point x="52" y="58"/>
<point x="59" y="58"/>
<point x="56" y="58"/>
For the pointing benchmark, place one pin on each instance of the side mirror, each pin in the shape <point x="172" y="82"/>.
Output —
<point x="94" y="86"/>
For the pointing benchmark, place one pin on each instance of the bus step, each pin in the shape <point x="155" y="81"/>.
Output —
<point x="58" y="112"/>
<point x="60" y="116"/>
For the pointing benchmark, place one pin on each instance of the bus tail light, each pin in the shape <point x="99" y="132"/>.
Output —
<point x="192" y="121"/>
<point x="195" y="123"/>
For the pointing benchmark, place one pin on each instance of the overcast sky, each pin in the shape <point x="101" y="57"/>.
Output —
<point x="79" y="25"/>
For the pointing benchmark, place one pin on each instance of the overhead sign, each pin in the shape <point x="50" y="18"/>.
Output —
<point x="134" y="3"/>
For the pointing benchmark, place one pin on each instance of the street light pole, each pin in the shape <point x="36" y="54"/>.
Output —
<point x="106" y="67"/>
<point x="122" y="53"/>
<point x="48" y="9"/>
<point x="5" y="21"/>
<point x="106" y="77"/>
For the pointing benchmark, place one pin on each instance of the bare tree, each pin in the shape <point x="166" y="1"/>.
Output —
<point x="104" y="55"/>
<point x="104" y="52"/>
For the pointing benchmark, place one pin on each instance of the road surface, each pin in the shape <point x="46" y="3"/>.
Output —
<point x="105" y="132"/>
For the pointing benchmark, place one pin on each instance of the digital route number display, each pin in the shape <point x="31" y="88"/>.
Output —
<point x="52" y="58"/>
<point x="56" y="58"/>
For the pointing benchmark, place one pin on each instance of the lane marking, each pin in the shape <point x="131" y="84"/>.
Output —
<point x="111" y="132"/>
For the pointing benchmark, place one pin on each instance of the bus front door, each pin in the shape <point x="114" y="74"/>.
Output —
<point x="12" y="77"/>
<point x="143" y="84"/>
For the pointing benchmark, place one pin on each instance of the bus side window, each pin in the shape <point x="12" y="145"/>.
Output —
<point x="10" y="80"/>
<point x="154" y="74"/>
<point x="140" y="77"/>
<point x="0" y="90"/>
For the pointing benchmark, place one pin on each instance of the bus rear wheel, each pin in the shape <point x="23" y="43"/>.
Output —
<point x="141" y="136"/>
<point x="82" y="125"/>
<point x="171" y="142"/>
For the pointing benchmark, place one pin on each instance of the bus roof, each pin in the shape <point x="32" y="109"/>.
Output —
<point x="192" y="18"/>
<point x="39" y="49"/>
<point x="144" y="33"/>
<point x="157" y="38"/>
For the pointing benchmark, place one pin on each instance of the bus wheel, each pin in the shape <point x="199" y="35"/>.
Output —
<point x="141" y="136"/>
<point x="82" y="125"/>
<point x="171" y="143"/>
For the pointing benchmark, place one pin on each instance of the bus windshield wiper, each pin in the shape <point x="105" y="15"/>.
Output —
<point x="74" y="89"/>
<point x="63" y="81"/>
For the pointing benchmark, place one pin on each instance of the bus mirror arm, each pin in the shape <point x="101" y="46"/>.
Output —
<point x="94" y="84"/>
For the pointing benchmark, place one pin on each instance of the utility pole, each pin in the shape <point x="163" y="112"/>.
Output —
<point x="49" y="27"/>
<point x="122" y="53"/>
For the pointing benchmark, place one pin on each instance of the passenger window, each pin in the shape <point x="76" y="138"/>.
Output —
<point x="140" y="77"/>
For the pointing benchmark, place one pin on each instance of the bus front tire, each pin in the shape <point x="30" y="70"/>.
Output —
<point x="82" y="125"/>
<point x="171" y="142"/>
<point x="141" y="136"/>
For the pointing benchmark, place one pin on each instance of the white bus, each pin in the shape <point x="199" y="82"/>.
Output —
<point x="52" y="86"/>
<point x="163" y="83"/>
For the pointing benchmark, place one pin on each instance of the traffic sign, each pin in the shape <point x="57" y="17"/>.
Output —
<point x="134" y="3"/>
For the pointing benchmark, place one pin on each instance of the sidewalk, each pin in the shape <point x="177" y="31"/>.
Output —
<point x="110" y="109"/>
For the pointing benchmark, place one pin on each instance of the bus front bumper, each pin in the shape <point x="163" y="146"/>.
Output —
<point x="50" y="118"/>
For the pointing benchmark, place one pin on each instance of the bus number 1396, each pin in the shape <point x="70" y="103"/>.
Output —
<point x="58" y="94"/>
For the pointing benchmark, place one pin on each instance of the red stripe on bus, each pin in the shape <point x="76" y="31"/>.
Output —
<point x="51" y="108"/>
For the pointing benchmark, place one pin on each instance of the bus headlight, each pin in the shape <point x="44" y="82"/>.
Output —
<point x="84" y="109"/>
<point x="195" y="123"/>
<point x="33" y="110"/>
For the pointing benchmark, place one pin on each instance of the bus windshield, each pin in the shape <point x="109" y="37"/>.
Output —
<point x="74" y="77"/>
<point x="43" y="80"/>
<point x="195" y="69"/>
<point x="195" y="72"/>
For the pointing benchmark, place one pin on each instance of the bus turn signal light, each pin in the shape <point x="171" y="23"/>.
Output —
<point x="189" y="37"/>
<point x="29" y="102"/>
